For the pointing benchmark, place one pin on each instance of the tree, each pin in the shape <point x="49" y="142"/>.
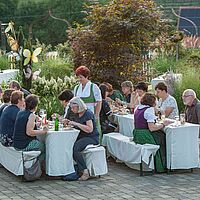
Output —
<point x="112" y="44"/>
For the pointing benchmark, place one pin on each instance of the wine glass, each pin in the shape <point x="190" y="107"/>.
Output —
<point x="177" y="120"/>
<point x="42" y="113"/>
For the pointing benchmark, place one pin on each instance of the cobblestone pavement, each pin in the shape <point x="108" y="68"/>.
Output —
<point x="120" y="183"/>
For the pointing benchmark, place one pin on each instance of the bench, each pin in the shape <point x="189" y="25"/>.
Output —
<point x="126" y="150"/>
<point x="95" y="158"/>
<point x="14" y="161"/>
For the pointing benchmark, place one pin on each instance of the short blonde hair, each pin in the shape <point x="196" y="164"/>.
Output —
<point x="79" y="102"/>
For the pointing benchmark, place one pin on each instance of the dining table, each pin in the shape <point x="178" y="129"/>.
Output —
<point x="59" y="151"/>
<point x="182" y="141"/>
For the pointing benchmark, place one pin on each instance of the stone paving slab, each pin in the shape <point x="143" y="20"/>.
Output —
<point x="120" y="183"/>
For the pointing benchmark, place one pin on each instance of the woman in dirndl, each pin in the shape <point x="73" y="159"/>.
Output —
<point x="147" y="131"/>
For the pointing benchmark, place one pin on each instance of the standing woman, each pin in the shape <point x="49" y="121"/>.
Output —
<point x="88" y="92"/>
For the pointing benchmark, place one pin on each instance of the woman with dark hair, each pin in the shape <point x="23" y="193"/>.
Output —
<point x="106" y="125"/>
<point x="25" y="130"/>
<point x="167" y="103"/>
<point x="147" y="131"/>
<point x="65" y="96"/>
<point x="113" y="94"/>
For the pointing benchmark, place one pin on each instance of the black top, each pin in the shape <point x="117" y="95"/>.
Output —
<point x="128" y="98"/>
<point x="7" y="123"/>
<point x="21" y="139"/>
<point x="88" y="115"/>
<point x="105" y="111"/>
<point x="2" y="108"/>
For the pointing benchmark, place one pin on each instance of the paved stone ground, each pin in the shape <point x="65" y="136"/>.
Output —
<point x="120" y="183"/>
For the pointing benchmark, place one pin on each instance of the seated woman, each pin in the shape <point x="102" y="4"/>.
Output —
<point x="8" y="117"/>
<point x="25" y="130"/>
<point x="129" y="96"/>
<point x="64" y="97"/>
<point x="6" y="99"/>
<point x="141" y="88"/>
<point x="88" y="133"/>
<point x="106" y="125"/>
<point x="113" y="94"/>
<point x="147" y="131"/>
<point x="166" y="103"/>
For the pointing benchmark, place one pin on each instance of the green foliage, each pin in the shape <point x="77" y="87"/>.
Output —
<point x="162" y="64"/>
<point x="4" y="63"/>
<point x="111" y="46"/>
<point x="48" y="90"/>
<point x="64" y="50"/>
<point x="190" y="79"/>
<point x="54" y="68"/>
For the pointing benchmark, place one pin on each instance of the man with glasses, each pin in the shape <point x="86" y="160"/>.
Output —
<point x="192" y="110"/>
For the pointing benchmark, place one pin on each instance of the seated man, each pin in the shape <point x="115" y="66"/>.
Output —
<point x="192" y="111"/>
<point x="166" y="103"/>
<point x="8" y="118"/>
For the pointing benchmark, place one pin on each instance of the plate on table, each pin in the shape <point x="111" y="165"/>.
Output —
<point x="67" y="128"/>
<point x="122" y="113"/>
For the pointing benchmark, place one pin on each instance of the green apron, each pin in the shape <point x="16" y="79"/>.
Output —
<point x="91" y="100"/>
<point x="145" y="136"/>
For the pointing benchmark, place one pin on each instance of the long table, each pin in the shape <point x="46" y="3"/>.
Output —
<point x="125" y="123"/>
<point x="182" y="145"/>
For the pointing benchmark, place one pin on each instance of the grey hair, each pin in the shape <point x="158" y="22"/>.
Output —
<point x="190" y="92"/>
<point x="81" y="105"/>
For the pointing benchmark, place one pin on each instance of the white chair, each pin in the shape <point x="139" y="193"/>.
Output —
<point x="95" y="158"/>
<point x="13" y="160"/>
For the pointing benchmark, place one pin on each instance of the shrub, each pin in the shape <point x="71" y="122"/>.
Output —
<point x="190" y="79"/>
<point x="48" y="90"/>
<point x="162" y="64"/>
<point x="54" y="68"/>
<point x="4" y="63"/>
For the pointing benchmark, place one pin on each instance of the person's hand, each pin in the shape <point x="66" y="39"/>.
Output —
<point x="45" y="128"/>
<point x="108" y="99"/>
<point x="96" y="116"/>
<point x="118" y="101"/>
<point x="65" y="122"/>
<point x="72" y="123"/>
<point x="166" y="122"/>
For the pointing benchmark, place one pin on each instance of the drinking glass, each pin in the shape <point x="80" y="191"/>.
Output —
<point x="182" y="118"/>
<point x="177" y="120"/>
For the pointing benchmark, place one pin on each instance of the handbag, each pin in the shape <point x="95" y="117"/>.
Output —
<point x="34" y="172"/>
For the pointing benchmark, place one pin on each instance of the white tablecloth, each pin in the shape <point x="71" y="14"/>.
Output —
<point x="59" y="149"/>
<point x="8" y="75"/>
<point x="182" y="146"/>
<point x="125" y="123"/>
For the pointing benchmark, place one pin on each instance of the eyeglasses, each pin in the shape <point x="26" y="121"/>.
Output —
<point x="185" y="96"/>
